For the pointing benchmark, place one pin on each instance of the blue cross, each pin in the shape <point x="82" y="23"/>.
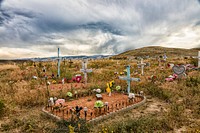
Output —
<point x="128" y="78"/>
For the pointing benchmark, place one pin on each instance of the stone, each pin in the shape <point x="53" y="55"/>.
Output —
<point x="99" y="96"/>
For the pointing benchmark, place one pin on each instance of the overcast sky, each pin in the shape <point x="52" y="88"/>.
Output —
<point x="36" y="28"/>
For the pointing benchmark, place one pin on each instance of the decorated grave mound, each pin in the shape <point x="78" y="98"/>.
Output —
<point x="90" y="108"/>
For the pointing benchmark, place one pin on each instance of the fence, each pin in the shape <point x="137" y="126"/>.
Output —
<point x="95" y="114"/>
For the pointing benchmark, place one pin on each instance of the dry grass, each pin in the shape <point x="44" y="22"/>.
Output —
<point x="171" y="106"/>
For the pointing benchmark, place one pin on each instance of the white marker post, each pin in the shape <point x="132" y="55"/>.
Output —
<point x="198" y="57"/>
<point x="85" y="70"/>
<point x="129" y="79"/>
<point x="142" y="64"/>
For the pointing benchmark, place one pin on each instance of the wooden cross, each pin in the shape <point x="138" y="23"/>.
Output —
<point x="142" y="64"/>
<point x="58" y="62"/>
<point x="129" y="79"/>
<point x="85" y="70"/>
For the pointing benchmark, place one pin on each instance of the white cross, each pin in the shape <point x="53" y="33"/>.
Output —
<point x="198" y="57"/>
<point x="142" y="64"/>
<point x="128" y="79"/>
<point x="85" y="70"/>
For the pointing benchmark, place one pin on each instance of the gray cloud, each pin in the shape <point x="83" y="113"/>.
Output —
<point x="95" y="27"/>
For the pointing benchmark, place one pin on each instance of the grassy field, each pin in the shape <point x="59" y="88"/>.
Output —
<point x="171" y="106"/>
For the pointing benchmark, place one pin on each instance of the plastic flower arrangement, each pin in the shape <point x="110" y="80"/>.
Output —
<point x="118" y="88"/>
<point x="98" y="104"/>
<point x="109" y="86"/>
<point x="69" y="94"/>
<point x="98" y="90"/>
<point x="53" y="82"/>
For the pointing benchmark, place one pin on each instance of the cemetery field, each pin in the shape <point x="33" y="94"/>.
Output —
<point x="173" y="100"/>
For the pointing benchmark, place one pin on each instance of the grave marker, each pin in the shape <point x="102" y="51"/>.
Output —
<point x="85" y="70"/>
<point x="58" y="62"/>
<point x="179" y="70"/>
<point x="198" y="57"/>
<point x="128" y="78"/>
<point x="142" y="64"/>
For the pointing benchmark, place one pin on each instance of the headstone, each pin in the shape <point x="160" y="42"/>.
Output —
<point x="128" y="78"/>
<point x="85" y="70"/>
<point x="179" y="70"/>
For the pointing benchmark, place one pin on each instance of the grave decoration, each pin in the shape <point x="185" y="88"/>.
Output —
<point x="50" y="102"/>
<point x="52" y="76"/>
<point x="165" y="57"/>
<point x="44" y="69"/>
<point x="70" y="63"/>
<point x="78" y="109"/>
<point x="85" y="112"/>
<point x="129" y="79"/>
<point x="190" y="67"/>
<point x="98" y="95"/>
<point x="179" y="70"/>
<point x="54" y="82"/>
<point x="141" y="65"/>
<point x="77" y="78"/>
<point x="131" y="96"/>
<point x="69" y="94"/>
<point x="152" y="78"/>
<point x="170" y="65"/>
<point x="171" y="78"/>
<point x="109" y="87"/>
<point x="34" y="77"/>
<point x="118" y="88"/>
<point x="85" y="70"/>
<point x="59" y="101"/>
<point x="98" y="104"/>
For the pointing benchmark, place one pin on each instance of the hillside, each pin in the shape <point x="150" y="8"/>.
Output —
<point x="154" y="51"/>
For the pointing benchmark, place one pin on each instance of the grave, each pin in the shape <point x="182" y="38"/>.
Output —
<point x="89" y="111"/>
<point x="129" y="79"/>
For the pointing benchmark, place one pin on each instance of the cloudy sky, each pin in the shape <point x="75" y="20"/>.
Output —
<point x="36" y="28"/>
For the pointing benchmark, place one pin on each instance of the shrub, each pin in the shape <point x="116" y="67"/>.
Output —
<point x="2" y="107"/>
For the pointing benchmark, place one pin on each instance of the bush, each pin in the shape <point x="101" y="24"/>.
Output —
<point x="192" y="81"/>
<point x="2" y="107"/>
<point x="194" y="62"/>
